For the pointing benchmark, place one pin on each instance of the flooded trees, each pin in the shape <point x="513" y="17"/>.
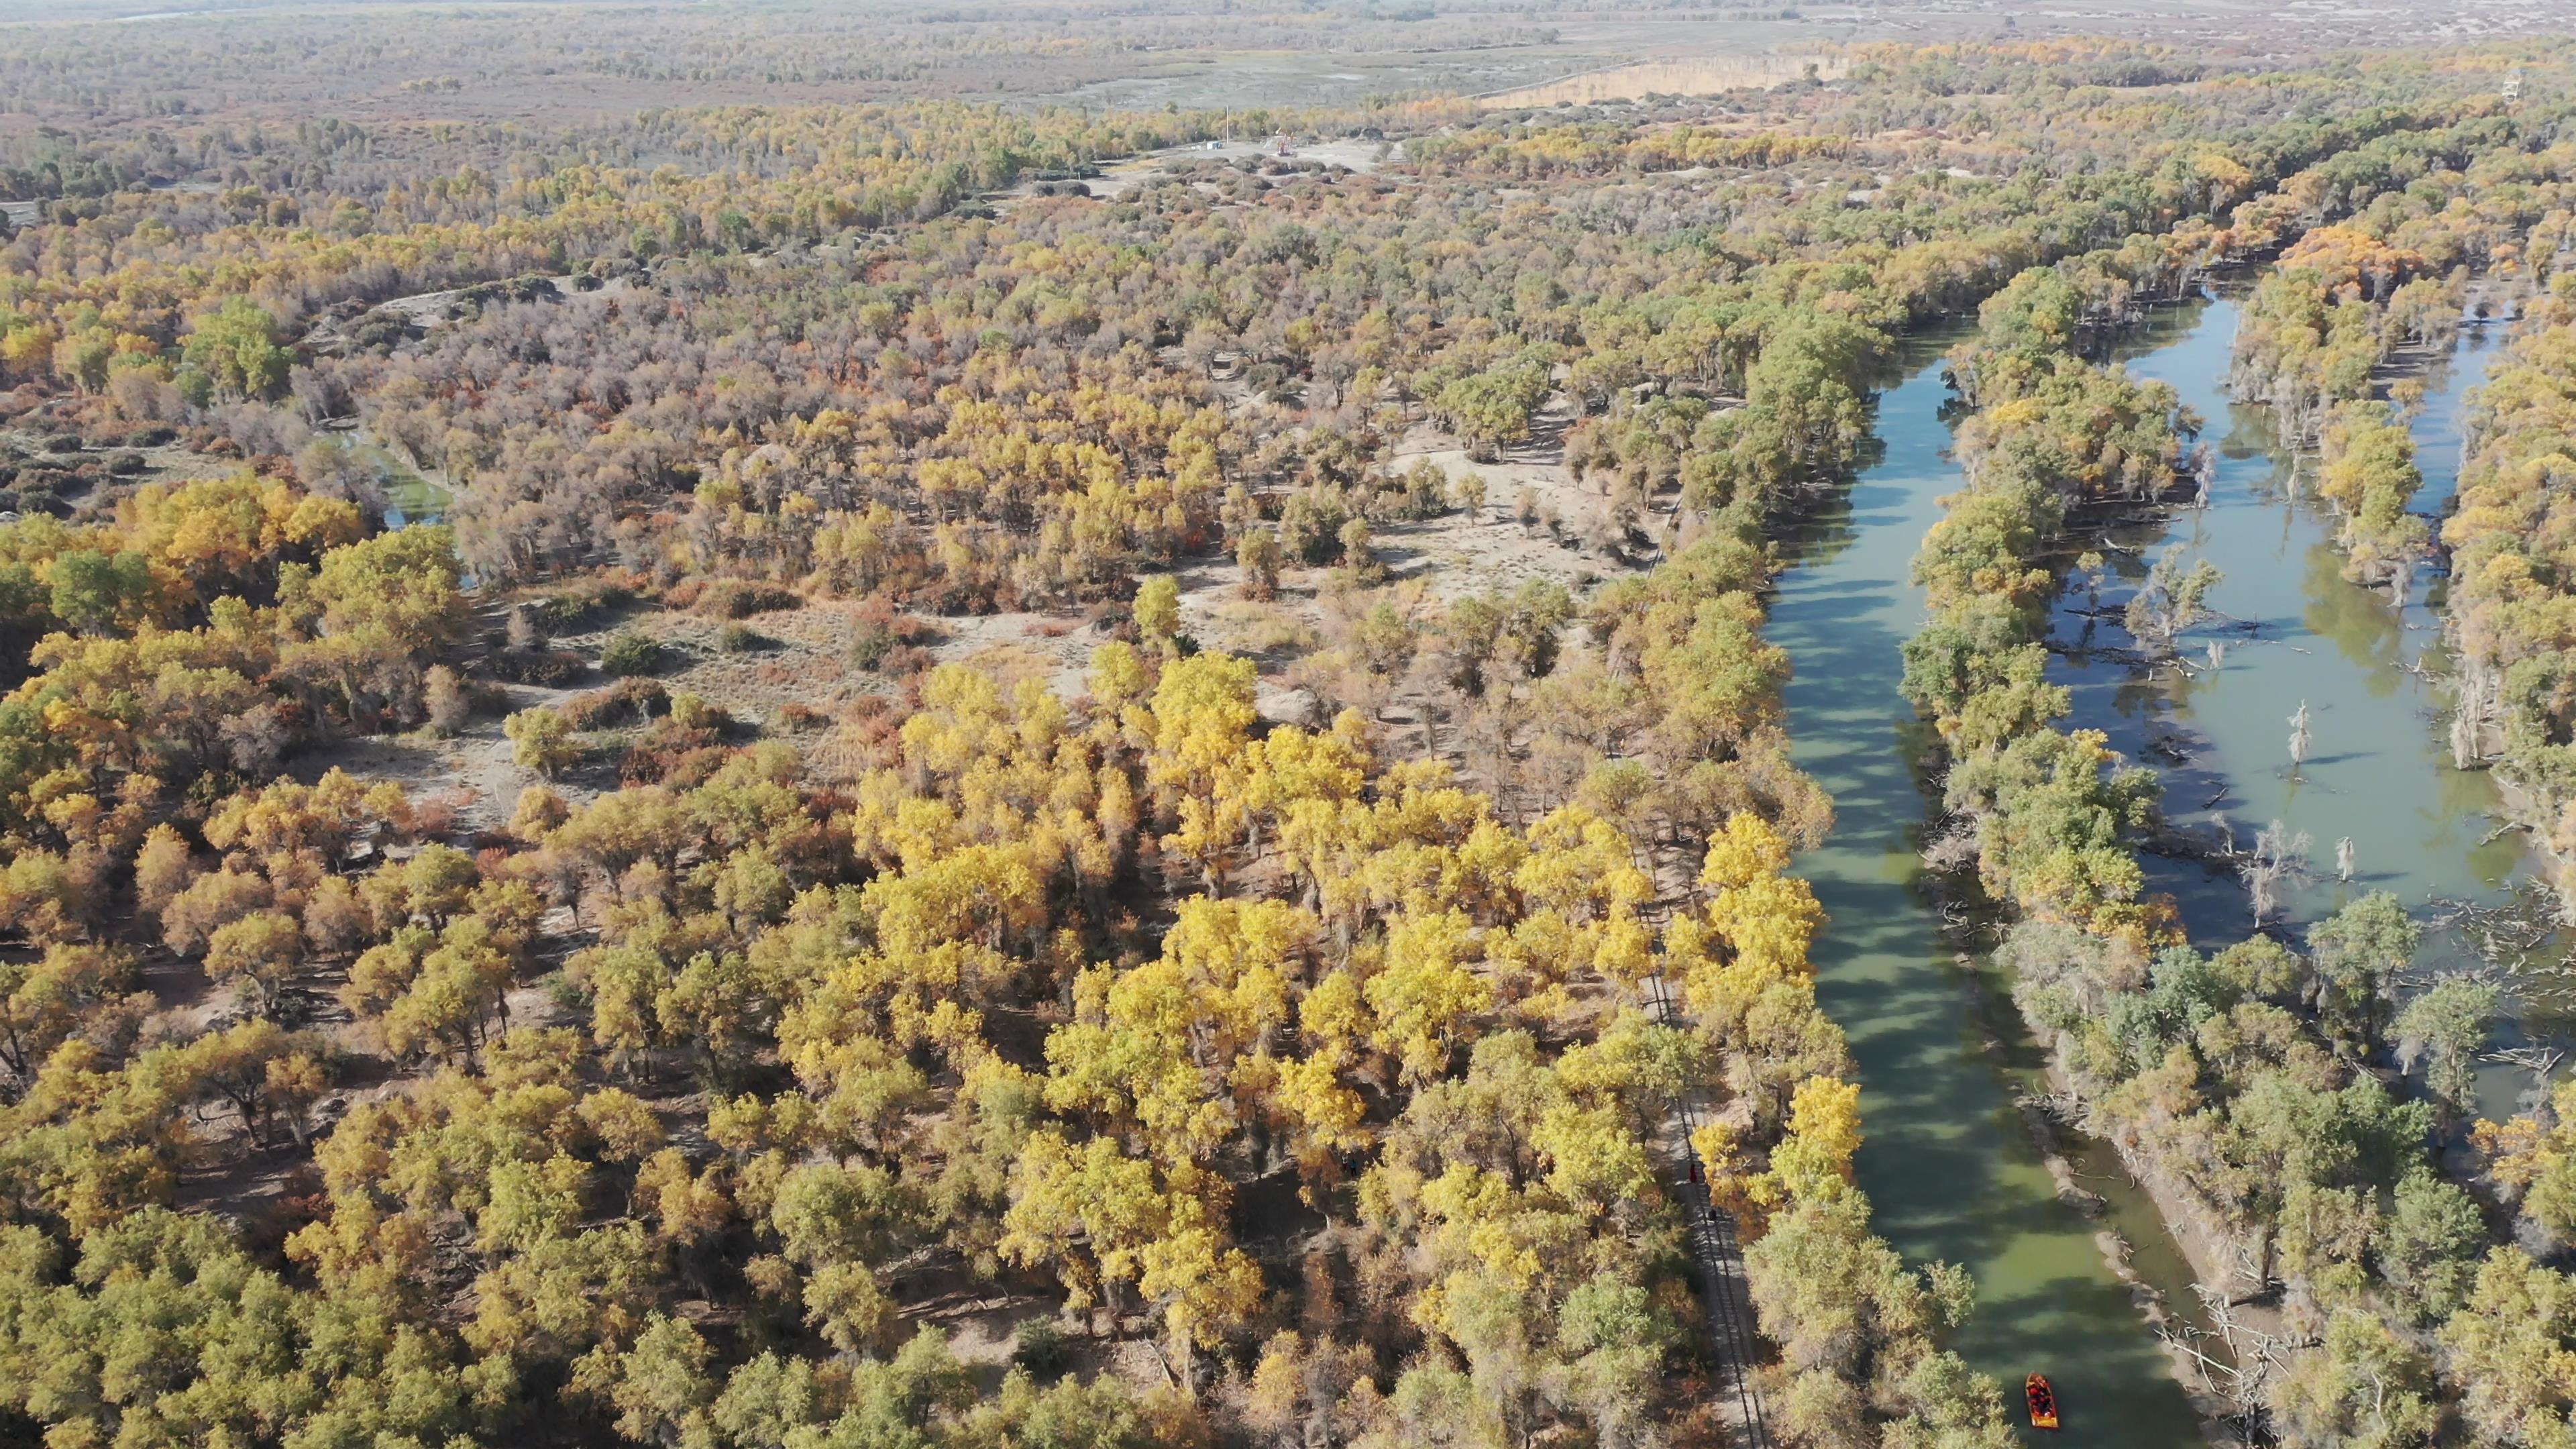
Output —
<point x="2277" y="856"/>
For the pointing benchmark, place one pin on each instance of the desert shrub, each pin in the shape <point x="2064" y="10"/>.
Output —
<point x="1310" y="526"/>
<point x="740" y="639"/>
<point x="450" y="704"/>
<point x="741" y="598"/>
<point x="631" y="652"/>
<point x="681" y="749"/>
<point x="694" y="711"/>
<point x="579" y="602"/>
<point x="536" y="666"/>
<point x="540" y="740"/>
<point x="1040" y="1349"/>
<point x="870" y="643"/>
<point x="879" y="635"/>
<point x="628" y="700"/>
<point x="538" y="812"/>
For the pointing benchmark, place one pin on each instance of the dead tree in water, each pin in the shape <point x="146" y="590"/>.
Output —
<point x="2343" y="859"/>
<point x="2277" y="855"/>
<point x="2300" y="739"/>
<point x="2481" y="694"/>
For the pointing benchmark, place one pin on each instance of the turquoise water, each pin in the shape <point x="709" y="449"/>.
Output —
<point x="2375" y="680"/>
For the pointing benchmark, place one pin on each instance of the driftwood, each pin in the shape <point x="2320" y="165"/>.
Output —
<point x="2242" y="1374"/>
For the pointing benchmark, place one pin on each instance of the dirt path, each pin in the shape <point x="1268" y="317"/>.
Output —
<point x="1725" y="1290"/>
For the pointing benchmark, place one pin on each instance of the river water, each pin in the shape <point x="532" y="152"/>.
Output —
<point x="1948" y="1164"/>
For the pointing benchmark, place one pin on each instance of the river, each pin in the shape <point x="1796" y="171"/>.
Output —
<point x="1948" y="1164"/>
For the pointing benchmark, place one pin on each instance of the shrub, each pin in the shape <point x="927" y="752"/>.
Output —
<point x="880" y="637"/>
<point x="1040" y="1349"/>
<point x="1310" y="526"/>
<point x="536" y="666"/>
<point x="681" y="749"/>
<point x="740" y="639"/>
<point x="539" y="811"/>
<point x="540" y="740"/>
<point x="870" y="643"/>
<point x="579" y="602"/>
<point x="450" y="704"/>
<point x="693" y="711"/>
<point x="631" y="652"/>
<point x="740" y="599"/>
<point x="637" y="700"/>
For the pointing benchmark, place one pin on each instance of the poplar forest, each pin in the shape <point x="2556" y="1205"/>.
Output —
<point x="757" y="729"/>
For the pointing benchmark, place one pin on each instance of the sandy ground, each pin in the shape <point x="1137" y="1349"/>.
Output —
<point x="1119" y="178"/>
<point x="1671" y="78"/>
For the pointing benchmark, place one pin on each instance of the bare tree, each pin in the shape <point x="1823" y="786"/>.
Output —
<point x="2343" y="859"/>
<point x="2481" y="695"/>
<point x="2300" y="739"/>
<point x="2277" y="856"/>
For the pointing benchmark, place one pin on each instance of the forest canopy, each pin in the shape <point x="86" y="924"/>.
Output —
<point x="900" y="772"/>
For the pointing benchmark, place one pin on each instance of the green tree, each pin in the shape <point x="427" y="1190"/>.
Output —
<point x="2444" y="1029"/>
<point x="239" y="349"/>
<point x="95" y="592"/>
<point x="2359" y="952"/>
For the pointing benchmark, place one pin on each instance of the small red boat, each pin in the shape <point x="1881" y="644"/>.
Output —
<point x="2043" y="1403"/>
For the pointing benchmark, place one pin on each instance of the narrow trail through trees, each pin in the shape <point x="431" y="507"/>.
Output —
<point x="1725" y="1291"/>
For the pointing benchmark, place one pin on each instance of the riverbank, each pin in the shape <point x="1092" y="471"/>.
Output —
<point x="2180" y="1246"/>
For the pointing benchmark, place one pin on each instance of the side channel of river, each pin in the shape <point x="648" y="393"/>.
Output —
<point x="1948" y="1165"/>
<point x="2379" y="770"/>
<point x="2374" y="680"/>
